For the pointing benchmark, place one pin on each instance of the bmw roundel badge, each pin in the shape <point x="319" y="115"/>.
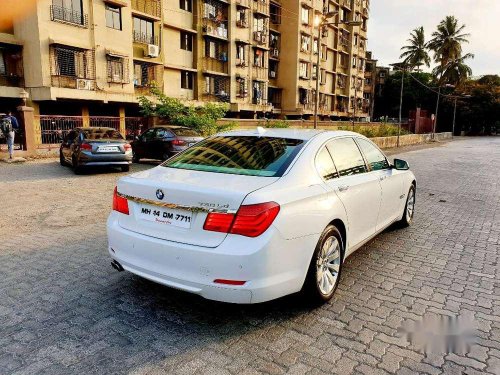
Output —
<point x="159" y="194"/>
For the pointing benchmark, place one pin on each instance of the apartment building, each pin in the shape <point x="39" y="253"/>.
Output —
<point x="370" y="81"/>
<point x="96" y="57"/>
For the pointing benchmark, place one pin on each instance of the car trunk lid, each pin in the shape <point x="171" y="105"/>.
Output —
<point x="172" y="204"/>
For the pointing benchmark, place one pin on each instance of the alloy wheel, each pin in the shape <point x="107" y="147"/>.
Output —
<point x="328" y="265"/>
<point x="410" y="205"/>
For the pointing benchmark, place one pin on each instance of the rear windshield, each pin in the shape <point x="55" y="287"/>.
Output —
<point x="252" y="156"/>
<point x="95" y="134"/>
<point x="186" y="132"/>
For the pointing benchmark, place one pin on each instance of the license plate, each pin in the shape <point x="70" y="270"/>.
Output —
<point x="107" y="149"/>
<point x="166" y="216"/>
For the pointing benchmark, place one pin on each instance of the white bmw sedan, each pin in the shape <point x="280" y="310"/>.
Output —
<point x="249" y="216"/>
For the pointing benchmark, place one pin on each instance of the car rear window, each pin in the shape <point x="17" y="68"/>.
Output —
<point x="186" y="132"/>
<point x="96" y="134"/>
<point x="244" y="155"/>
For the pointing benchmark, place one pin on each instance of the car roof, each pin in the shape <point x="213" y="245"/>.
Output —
<point x="304" y="134"/>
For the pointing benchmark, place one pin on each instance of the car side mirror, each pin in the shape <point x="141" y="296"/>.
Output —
<point x="401" y="165"/>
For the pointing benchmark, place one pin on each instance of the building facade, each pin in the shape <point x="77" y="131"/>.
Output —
<point x="96" y="57"/>
<point x="369" y="88"/>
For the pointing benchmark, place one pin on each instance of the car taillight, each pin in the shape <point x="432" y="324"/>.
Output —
<point x="178" y="142"/>
<point x="127" y="146"/>
<point x="86" y="146"/>
<point x="218" y="222"/>
<point x="250" y="220"/>
<point x="120" y="204"/>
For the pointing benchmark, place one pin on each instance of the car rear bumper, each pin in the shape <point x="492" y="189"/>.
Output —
<point x="88" y="158"/>
<point x="270" y="265"/>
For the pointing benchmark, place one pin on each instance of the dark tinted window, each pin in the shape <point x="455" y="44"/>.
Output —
<point x="376" y="160"/>
<point x="148" y="135"/>
<point x="324" y="164"/>
<point x="347" y="157"/>
<point x="186" y="132"/>
<point x="96" y="134"/>
<point x="163" y="133"/>
<point x="254" y="156"/>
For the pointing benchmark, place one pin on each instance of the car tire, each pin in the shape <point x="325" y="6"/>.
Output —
<point x="135" y="157"/>
<point x="76" y="167"/>
<point x="125" y="168"/>
<point x="61" y="159"/>
<point x="324" y="271"/>
<point x="409" y="210"/>
<point x="166" y="155"/>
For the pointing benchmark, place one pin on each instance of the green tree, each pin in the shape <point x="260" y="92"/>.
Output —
<point x="415" y="53"/>
<point x="455" y="72"/>
<point x="201" y="118"/>
<point x="447" y="40"/>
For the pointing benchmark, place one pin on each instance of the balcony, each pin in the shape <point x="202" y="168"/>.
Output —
<point x="146" y="76"/>
<point x="216" y="89"/>
<point x="151" y="7"/>
<point x="68" y="15"/>
<point x="213" y="64"/>
<point x="259" y="93"/>
<point x="261" y="7"/>
<point x="11" y="71"/>
<point x="216" y="29"/>
<point x="72" y="67"/>
<point x="274" y="97"/>
<point x="243" y="3"/>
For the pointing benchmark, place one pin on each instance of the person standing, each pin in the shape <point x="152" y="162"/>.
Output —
<point x="8" y="126"/>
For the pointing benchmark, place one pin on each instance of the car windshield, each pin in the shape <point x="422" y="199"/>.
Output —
<point x="244" y="155"/>
<point x="186" y="132"/>
<point x="96" y="134"/>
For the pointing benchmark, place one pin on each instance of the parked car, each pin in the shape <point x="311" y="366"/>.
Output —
<point x="163" y="142"/>
<point x="250" y="216"/>
<point x="83" y="147"/>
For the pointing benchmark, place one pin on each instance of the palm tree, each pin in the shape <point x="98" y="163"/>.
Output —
<point x="447" y="41"/>
<point x="455" y="72"/>
<point x="415" y="54"/>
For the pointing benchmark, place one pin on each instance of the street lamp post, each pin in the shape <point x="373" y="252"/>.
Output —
<point x="455" y="112"/>
<point x="320" y="22"/>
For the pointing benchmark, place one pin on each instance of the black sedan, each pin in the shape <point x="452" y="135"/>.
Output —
<point x="164" y="141"/>
<point x="95" y="147"/>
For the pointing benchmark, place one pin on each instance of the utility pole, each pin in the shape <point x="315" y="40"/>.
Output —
<point x="401" y="103"/>
<point x="436" y="115"/>
<point x="454" y="117"/>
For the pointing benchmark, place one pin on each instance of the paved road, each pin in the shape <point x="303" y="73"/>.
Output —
<point x="63" y="309"/>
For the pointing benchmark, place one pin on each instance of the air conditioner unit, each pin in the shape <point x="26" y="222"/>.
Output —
<point x="153" y="50"/>
<point x="83" y="84"/>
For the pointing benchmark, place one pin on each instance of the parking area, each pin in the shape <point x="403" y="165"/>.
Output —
<point x="64" y="309"/>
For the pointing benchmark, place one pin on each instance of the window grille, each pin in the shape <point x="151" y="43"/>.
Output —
<point x="117" y="69"/>
<point x="216" y="88"/>
<point x="69" y="11"/>
<point x="72" y="67"/>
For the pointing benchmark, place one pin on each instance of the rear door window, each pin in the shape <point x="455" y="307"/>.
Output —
<point x="346" y="156"/>
<point x="325" y="166"/>
<point x="244" y="155"/>
<point x="375" y="158"/>
<point x="163" y="133"/>
<point x="104" y="134"/>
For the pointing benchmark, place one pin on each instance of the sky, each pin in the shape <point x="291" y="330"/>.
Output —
<point x="391" y="22"/>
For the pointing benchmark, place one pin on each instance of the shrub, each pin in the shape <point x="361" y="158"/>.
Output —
<point x="201" y="118"/>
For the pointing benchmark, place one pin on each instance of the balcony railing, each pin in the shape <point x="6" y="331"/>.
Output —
<point x="213" y="64"/>
<point x="243" y="3"/>
<point x="215" y="29"/>
<point x="151" y="7"/>
<point x="261" y="6"/>
<point x="144" y="38"/>
<point x="67" y="15"/>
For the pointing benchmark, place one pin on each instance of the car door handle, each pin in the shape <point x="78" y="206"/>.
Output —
<point x="343" y="187"/>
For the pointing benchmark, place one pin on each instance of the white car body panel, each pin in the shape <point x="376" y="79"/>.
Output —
<point x="273" y="264"/>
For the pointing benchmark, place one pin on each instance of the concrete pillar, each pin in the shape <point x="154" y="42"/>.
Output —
<point x="121" y="113"/>
<point x="36" y="123"/>
<point x="27" y="119"/>
<point x="85" y="117"/>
